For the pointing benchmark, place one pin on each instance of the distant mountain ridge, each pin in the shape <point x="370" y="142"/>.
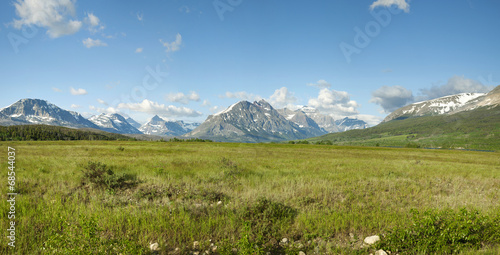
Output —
<point x="260" y="122"/>
<point x="162" y="127"/>
<point x="241" y="122"/>
<point x="36" y="111"/>
<point x="114" y="123"/>
<point x="447" y="105"/>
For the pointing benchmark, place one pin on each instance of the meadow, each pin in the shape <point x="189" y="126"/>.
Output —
<point x="118" y="197"/>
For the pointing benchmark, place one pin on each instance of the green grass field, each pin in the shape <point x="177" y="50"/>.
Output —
<point x="245" y="198"/>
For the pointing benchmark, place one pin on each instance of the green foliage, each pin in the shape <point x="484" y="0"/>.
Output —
<point x="53" y="133"/>
<point x="192" y="140"/>
<point x="102" y="176"/>
<point x="412" y="145"/>
<point x="264" y="218"/>
<point x="478" y="129"/>
<point x="443" y="232"/>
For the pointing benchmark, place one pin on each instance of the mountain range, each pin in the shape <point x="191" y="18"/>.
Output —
<point x="260" y="122"/>
<point x="241" y="122"/>
<point x="460" y="115"/>
<point x="162" y="127"/>
<point x="466" y="120"/>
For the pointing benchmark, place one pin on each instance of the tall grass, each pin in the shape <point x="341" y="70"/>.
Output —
<point x="244" y="198"/>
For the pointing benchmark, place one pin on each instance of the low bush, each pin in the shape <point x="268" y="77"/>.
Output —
<point x="100" y="175"/>
<point x="443" y="232"/>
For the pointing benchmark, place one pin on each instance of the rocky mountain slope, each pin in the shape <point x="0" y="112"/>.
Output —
<point x="36" y="111"/>
<point x="433" y="107"/>
<point x="133" y="123"/>
<point x="114" y="123"/>
<point x="162" y="127"/>
<point x="347" y="124"/>
<point x="251" y="122"/>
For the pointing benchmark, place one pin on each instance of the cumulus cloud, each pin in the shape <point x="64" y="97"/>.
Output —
<point x="108" y="110"/>
<point x="282" y="98"/>
<point x="102" y="101"/>
<point x="89" y="43"/>
<point x="334" y="103"/>
<point x="147" y="106"/>
<point x="455" y="85"/>
<point x="401" y="4"/>
<point x="56" y="89"/>
<point x="183" y="98"/>
<point x="138" y="50"/>
<point x="320" y="84"/>
<point x="77" y="92"/>
<point x="391" y="98"/>
<point x="242" y="95"/>
<point x="371" y="120"/>
<point x="54" y="15"/>
<point x="173" y="46"/>
<point x="75" y="106"/>
<point x="94" y="23"/>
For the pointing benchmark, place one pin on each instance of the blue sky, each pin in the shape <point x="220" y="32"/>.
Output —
<point x="186" y="59"/>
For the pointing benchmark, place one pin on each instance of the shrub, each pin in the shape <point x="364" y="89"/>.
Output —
<point x="264" y="222"/>
<point x="102" y="176"/>
<point x="443" y="232"/>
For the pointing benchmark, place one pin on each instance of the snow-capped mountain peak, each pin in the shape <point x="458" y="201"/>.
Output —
<point x="114" y="123"/>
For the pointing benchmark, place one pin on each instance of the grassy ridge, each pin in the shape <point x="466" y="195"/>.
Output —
<point x="478" y="129"/>
<point x="324" y="199"/>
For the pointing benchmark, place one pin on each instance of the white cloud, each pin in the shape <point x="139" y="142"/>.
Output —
<point x="75" y="106"/>
<point x="94" y="23"/>
<point x="282" y="98"/>
<point x="140" y="16"/>
<point x="370" y="119"/>
<point x="242" y="95"/>
<point x="89" y="43"/>
<point x="206" y="103"/>
<point x="151" y="107"/>
<point x="334" y="103"/>
<point x="102" y="101"/>
<point x="54" y="15"/>
<point x="455" y="85"/>
<point x="392" y="98"/>
<point x="183" y="98"/>
<point x="320" y="84"/>
<point x="173" y="46"/>
<point x="109" y="110"/>
<point x="401" y="4"/>
<point x="77" y="92"/>
<point x="138" y="50"/>
<point x="56" y="89"/>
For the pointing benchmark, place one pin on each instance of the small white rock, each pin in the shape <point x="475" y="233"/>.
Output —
<point x="372" y="239"/>
<point x="196" y="245"/>
<point x="381" y="252"/>
<point x="302" y="253"/>
<point x="153" y="246"/>
<point x="219" y="203"/>
<point x="284" y="240"/>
